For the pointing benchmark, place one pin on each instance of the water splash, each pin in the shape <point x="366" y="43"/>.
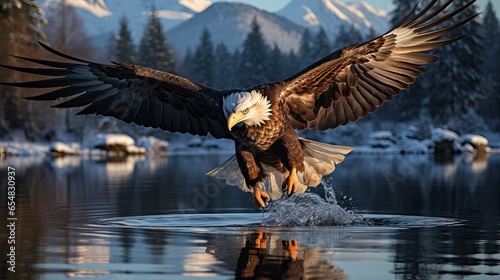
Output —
<point x="309" y="209"/>
<point x="330" y="195"/>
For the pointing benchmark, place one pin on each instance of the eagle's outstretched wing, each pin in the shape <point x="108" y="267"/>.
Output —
<point x="352" y="82"/>
<point x="130" y="93"/>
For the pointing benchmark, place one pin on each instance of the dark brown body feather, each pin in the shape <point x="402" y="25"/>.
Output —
<point x="274" y="143"/>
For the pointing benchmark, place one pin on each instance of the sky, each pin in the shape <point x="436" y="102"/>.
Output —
<point x="276" y="5"/>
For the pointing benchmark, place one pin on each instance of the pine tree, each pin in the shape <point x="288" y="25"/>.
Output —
<point x="223" y="66"/>
<point x="490" y="30"/>
<point x="111" y="47"/>
<point x="253" y="68"/>
<point x="490" y="105"/>
<point x="371" y="34"/>
<point x="347" y="36"/>
<point x="124" y="48"/>
<point x="321" y="46"/>
<point x="236" y="76"/>
<point x="65" y="32"/>
<point x="21" y="23"/>
<point x="402" y="9"/>
<point x="276" y="64"/>
<point x="306" y="49"/>
<point x="408" y="105"/>
<point x="186" y="68"/>
<point x="204" y="60"/>
<point x="20" y="18"/>
<point x="453" y="82"/>
<point x="291" y="64"/>
<point x="154" y="50"/>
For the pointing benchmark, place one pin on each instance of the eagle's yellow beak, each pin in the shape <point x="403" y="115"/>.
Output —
<point x="233" y="119"/>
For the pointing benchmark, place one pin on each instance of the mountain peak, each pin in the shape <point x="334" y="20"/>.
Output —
<point x="363" y="6"/>
<point x="101" y="17"/>
<point x="229" y="23"/>
<point x="196" y="5"/>
<point x="331" y="14"/>
<point x="96" y="7"/>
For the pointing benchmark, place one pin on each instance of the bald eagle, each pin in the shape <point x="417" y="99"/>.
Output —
<point x="270" y="158"/>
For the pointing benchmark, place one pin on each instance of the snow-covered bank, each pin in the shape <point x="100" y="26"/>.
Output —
<point x="442" y="141"/>
<point x="116" y="145"/>
<point x="25" y="149"/>
<point x="100" y="144"/>
<point x="379" y="142"/>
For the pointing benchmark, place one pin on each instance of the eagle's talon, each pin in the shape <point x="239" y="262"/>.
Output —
<point x="291" y="184"/>
<point x="260" y="198"/>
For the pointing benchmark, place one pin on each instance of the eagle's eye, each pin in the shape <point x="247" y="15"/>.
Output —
<point x="245" y="111"/>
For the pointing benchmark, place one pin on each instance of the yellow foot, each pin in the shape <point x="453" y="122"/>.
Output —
<point x="291" y="183"/>
<point x="260" y="198"/>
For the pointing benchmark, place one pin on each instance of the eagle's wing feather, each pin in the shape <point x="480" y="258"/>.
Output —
<point x="352" y="82"/>
<point x="130" y="93"/>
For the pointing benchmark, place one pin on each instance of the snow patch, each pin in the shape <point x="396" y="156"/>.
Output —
<point x="332" y="14"/>
<point x="336" y="11"/>
<point x="96" y="7"/>
<point x="196" y="5"/>
<point x="25" y="149"/>
<point x="117" y="143"/>
<point x="365" y="6"/>
<point x="474" y="140"/>
<point x="467" y="143"/>
<point x="414" y="146"/>
<point x="310" y="17"/>
<point x="382" y="135"/>
<point x="113" y="139"/>
<point x="381" y="139"/>
<point x="441" y="135"/>
<point x="174" y="15"/>
<point x="153" y="144"/>
<point x="61" y="148"/>
<point x="133" y="150"/>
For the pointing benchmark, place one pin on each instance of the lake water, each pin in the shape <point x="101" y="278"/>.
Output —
<point x="416" y="217"/>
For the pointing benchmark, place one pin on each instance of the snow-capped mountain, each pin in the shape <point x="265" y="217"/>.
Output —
<point x="229" y="23"/>
<point x="184" y="20"/>
<point x="102" y="17"/>
<point x="331" y="14"/>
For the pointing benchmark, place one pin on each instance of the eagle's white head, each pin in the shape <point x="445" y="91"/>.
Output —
<point x="250" y="108"/>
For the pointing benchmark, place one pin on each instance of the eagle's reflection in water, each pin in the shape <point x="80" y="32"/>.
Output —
<point x="266" y="256"/>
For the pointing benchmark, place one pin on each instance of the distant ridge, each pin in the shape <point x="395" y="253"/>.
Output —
<point x="229" y="23"/>
<point x="184" y="20"/>
<point x="102" y="17"/>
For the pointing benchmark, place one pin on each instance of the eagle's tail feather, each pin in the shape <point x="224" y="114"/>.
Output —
<point x="230" y="172"/>
<point x="319" y="160"/>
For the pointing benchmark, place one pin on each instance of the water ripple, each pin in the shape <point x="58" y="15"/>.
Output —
<point x="302" y="210"/>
